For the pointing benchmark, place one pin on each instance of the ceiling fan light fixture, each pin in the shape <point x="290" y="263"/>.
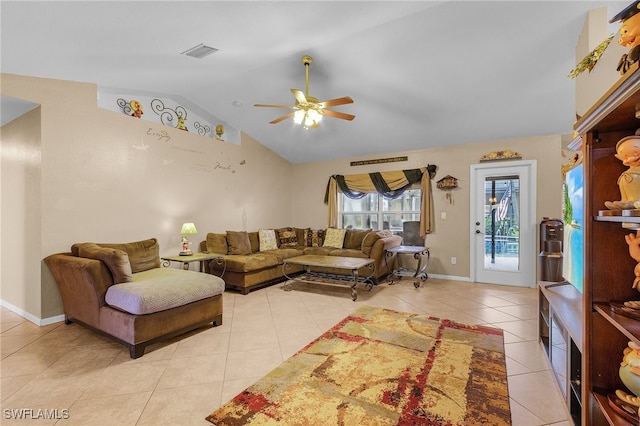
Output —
<point x="298" y="117"/>
<point x="308" y="111"/>
<point x="199" y="51"/>
<point x="309" y="118"/>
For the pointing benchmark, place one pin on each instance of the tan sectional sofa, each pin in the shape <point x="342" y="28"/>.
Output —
<point x="247" y="267"/>
<point x="121" y="291"/>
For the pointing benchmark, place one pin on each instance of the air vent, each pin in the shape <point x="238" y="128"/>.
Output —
<point x="200" y="51"/>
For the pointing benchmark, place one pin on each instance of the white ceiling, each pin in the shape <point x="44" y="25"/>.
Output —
<point x="422" y="74"/>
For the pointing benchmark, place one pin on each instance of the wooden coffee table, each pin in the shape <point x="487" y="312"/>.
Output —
<point x="347" y="264"/>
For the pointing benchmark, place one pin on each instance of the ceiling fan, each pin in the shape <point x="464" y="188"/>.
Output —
<point x="308" y="111"/>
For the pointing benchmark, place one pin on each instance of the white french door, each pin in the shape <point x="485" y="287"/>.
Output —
<point x="503" y="228"/>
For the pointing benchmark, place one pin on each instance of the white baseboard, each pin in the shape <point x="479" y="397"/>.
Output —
<point x="449" y="277"/>
<point x="30" y="317"/>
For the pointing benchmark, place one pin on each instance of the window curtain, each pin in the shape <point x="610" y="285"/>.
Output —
<point x="388" y="184"/>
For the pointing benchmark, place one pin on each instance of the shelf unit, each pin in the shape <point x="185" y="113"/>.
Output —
<point x="560" y="331"/>
<point x="609" y="270"/>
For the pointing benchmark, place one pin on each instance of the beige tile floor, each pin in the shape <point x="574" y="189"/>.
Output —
<point x="92" y="381"/>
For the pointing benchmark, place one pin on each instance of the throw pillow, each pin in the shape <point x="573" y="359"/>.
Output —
<point x="301" y="235"/>
<point x="353" y="238"/>
<point x="334" y="238"/>
<point x="143" y="254"/>
<point x="386" y="233"/>
<point x="368" y="241"/>
<point x="116" y="260"/>
<point x="314" y="238"/>
<point x="267" y="239"/>
<point x="238" y="242"/>
<point x="287" y="237"/>
<point x="217" y="243"/>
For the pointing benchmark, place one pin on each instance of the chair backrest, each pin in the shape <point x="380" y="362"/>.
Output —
<point x="411" y="234"/>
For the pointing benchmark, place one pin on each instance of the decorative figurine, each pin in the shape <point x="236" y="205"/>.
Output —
<point x="630" y="375"/>
<point x="219" y="132"/>
<point x="628" y="151"/>
<point x="629" y="35"/>
<point x="182" y="125"/>
<point x="136" y="108"/>
<point x="633" y="241"/>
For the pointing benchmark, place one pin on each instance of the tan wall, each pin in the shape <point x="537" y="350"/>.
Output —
<point x="107" y="177"/>
<point x="451" y="236"/>
<point x="591" y="85"/>
<point x="21" y="213"/>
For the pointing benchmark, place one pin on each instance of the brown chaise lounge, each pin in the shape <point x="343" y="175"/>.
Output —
<point x="121" y="291"/>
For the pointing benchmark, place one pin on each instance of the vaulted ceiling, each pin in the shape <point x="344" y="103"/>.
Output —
<point x="422" y="74"/>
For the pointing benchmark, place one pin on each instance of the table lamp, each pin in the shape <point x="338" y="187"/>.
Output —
<point x="187" y="229"/>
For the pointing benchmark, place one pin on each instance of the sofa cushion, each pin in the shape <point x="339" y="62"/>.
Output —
<point x="160" y="289"/>
<point x="254" y="241"/>
<point x="217" y="243"/>
<point x="285" y="253"/>
<point x="250" y="263"/>
<point x="334" y="238"/>
<point x="347" y="253"/>
<point x="287" y="237"/>
<point x="238" y="242"/>
<point x="143" y="254"/>
<point x="314" y="238"/>
<point x="353" y="238"/>
<point x="385" y="233"/>
<point x="368" y="241"/>
<point x="320" y="251"/>
<point x="267" y="239"/>
<point x="116" y="260"/>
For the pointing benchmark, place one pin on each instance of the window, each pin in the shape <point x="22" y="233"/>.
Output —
<point x="377" y="212"/>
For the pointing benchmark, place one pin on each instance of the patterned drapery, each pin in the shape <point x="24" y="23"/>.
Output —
<point x="388" y="184"/>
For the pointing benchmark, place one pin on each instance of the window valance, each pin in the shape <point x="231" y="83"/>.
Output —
<point x="389" y="184"/>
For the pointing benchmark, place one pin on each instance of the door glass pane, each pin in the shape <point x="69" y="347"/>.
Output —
<point x="502" y="223"/>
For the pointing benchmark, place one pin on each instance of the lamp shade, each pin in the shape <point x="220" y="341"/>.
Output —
<point x="188" y="228"/>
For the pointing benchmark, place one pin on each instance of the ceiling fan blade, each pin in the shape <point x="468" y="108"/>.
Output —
<point x="284" y="117"/>
<point x="300" y="97"/>
<point x="274" y="106"/>
<point x="334" y="102"/>
<point x="337" y="114"/>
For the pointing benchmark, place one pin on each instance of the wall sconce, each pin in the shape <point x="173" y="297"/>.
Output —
<point x="187" y="229"/>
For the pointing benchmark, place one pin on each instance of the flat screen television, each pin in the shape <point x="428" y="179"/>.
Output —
<point x="573" y="218"/>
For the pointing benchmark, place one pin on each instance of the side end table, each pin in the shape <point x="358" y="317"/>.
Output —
<point x="196" y="257"/>
<point x="420" y="254"/>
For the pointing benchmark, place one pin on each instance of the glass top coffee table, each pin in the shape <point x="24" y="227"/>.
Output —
<point x="195" y="257"/>
<point x="421" y="254"/>
<point x="347" y="264"/>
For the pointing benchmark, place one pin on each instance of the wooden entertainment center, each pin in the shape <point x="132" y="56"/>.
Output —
<point x="608" y="267"/>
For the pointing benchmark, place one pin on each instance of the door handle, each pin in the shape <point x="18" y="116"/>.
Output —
<point x="477" y="223"/>
<point x="479" y="232"/>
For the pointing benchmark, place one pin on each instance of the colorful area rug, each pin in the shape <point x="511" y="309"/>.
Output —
<point x="383" y="367"/>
